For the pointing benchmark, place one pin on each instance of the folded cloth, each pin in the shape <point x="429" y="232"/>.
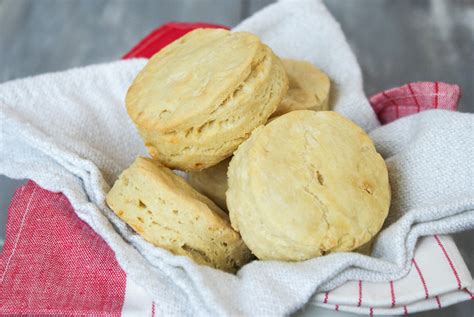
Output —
<point x="438" y="277"/>
<point x="69" y="132"/>
<point x="76" y="272"/>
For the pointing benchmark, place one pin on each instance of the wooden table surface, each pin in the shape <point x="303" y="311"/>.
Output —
<point x="395" y="42"/>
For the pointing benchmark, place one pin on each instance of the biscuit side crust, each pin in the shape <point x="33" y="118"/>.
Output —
<point x="309" y="88"/>
<point x="212" y="182"/>
<point x="169" y="213"/>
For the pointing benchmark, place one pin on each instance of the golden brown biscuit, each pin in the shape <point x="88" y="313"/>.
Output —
<point x="212" y="182"/>
<point x="309" y="88"/>
<point x="306" y="184"/>
<point x="198" y="98"/>
<point x="170" y="214"/>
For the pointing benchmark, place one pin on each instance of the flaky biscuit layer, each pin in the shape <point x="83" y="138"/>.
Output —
<point x="167" y="212"/>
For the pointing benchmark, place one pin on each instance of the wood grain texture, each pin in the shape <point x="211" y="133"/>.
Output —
<point x="50" y="35"/>
<point x="401" y="41"/>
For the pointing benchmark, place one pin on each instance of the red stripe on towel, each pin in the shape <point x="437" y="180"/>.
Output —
<point x="422" y="279"/>
<point x="448" y="258"/>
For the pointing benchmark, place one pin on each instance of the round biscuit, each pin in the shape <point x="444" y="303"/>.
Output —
<point x="309" y="88"/>
<point x="306" y="184"/>
<point x="201" y="96"/>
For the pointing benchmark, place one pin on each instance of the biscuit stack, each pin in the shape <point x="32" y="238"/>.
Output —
<point x="302" y="181"/>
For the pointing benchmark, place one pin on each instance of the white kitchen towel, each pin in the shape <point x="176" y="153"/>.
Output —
<point x="437" y="278"/>
<point x="69" y="132"/>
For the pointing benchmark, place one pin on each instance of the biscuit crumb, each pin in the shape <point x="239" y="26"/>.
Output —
<point x="366" y="187"/>
<point x="320" y="178"/>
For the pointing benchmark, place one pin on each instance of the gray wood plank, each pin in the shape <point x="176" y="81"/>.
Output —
<point x="50" y="35"/>
<point x="7" y="189"/>
<point x="255" y="5"/>
<point x="400" y="41"/>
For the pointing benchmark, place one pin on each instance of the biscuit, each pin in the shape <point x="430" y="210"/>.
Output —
<point x="201" y="96"/>
<point x="306" y="184"/>
<point x="212" y="182"/>
<point x="170" y="214"/>
<point x="309" y="88"/>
